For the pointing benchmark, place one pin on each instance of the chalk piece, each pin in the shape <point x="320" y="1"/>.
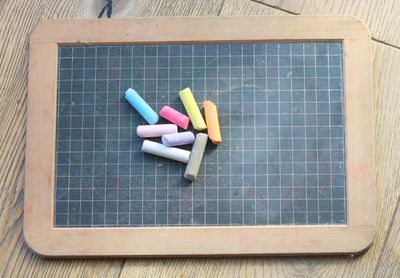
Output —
<point x="164" y="151"/>
<point x="141" y="106"/>
<point x="196" y="156"/>
<point x="177" y="139"/>
<point x="192" y="109"/>
<point x="174" y="117"/>
<point x="214" y="132"/>
<point x="146" y="131"/>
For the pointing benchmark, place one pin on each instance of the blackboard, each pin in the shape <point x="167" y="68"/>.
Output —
<point x="281" y="110"/>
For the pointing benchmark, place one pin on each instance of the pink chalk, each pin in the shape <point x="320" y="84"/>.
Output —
<point x="146" y="131"/>
<point x="175" y="117"/>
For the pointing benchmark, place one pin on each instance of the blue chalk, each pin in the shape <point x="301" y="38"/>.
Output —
<point x="141" y="106"/>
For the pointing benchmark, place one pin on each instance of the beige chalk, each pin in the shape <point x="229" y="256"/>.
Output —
<point x="196" y="155"/>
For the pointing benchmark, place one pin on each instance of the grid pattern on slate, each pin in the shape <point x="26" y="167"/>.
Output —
<point x="281" y="161"/>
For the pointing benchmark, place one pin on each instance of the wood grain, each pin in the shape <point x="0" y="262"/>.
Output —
<point x="140" y="8"/>
<point x="381" y="16"/>
<point x="195" y="29"/>
<point x="389" y="265"/>
<point x="13" y="58"/>
<point x="246" y="7"/>
<point x="387" y="105"/>
<point x="18" y="17"/>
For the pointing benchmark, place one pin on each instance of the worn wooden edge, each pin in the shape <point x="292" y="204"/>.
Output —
<point x="200" y="241"/>
<point x="40" y="142"/>
<point x="359" y="132"/>
<point x="173" y="29"/>
<point x="46" y="240"/>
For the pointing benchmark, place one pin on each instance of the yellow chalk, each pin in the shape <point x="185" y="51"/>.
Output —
<point x="210" y="110"/>
<point x="192" y="109"/>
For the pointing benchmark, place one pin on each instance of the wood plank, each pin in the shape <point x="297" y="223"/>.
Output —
<point x="138" y="8"/>
<point x="17" y="19"/>
<point x="389" y="264"/>
<point x="387" y="138"/>
<point x="382" y="17"/>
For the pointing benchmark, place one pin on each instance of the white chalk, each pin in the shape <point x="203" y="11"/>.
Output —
<point x="146" y="131"/>
<point x="164" y="151"/>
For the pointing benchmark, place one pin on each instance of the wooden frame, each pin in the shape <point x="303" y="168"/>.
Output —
<point x="46" y="240"/>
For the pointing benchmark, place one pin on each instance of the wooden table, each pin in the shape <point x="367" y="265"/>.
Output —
<point x="19" y="17"/>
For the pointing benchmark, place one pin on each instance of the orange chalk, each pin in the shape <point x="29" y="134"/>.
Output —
<point x="211" y="113"/>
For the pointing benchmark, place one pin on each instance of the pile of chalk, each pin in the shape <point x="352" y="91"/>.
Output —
<point x="170" y="137"/>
